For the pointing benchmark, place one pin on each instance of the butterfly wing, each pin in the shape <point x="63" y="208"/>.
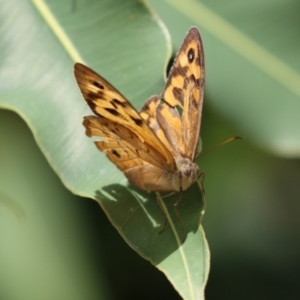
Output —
<point x="142" y="164"/>
<point x="116" y="113"/>
<point x="165" y="121"/>
<point x="185" y="88"/>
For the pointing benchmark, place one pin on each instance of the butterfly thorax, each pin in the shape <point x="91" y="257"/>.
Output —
<point x="188" y="172"/>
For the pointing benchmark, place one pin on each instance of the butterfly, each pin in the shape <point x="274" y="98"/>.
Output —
<point x="156" y="147"/>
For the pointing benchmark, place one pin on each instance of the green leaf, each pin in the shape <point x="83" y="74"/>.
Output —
<point x="45" y="235"/>
<point x="252" y="64"/>
<point x="129" y="46"/>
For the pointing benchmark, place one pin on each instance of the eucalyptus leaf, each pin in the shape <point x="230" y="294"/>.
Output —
<point x="127" y="44"/>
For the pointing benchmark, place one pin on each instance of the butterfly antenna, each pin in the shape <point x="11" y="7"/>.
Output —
<point x="222" y="144"/>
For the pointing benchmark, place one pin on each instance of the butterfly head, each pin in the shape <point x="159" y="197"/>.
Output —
<point x="189" y="172"/>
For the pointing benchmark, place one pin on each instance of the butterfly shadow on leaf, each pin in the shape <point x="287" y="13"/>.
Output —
<point x="139" y="219"/>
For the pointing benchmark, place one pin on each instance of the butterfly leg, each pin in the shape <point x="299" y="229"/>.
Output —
<point x="179" y="217"/>
<point x="158" y="199"/>
<point x="168" y="195"/>
<point x="201" y="183"/>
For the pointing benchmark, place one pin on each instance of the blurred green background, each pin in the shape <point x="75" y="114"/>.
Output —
<point x="54" y="245"/>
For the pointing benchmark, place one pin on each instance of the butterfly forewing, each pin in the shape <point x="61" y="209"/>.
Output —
<point x="107" y="103"/>
<point x="185" y="88"/>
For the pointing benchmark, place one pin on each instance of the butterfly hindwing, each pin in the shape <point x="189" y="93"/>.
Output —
<point x="143" y="165"/>
<point x="122" y="146"/>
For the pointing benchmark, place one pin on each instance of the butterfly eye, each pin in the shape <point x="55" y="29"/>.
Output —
<point x="191" y="55"/>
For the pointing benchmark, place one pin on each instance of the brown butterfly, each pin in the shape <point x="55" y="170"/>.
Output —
<point x="156" y="147"/>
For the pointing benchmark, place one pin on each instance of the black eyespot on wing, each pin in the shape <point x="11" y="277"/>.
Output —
<point x="191" y="55"/>
<point x="178" y="94"/>
<point x="112" y="111"/>
<point x="103" y="96"/>
<point x="98" y="85"/>
<point x="192" y="78"/>
<point x="115" y="103"/>
<point x="92" y="96"/>
<point x="116" y="153"/>
<point x="92" y="105"/>
<point x="180" y="71"/>
<point x="138" y="122"/>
